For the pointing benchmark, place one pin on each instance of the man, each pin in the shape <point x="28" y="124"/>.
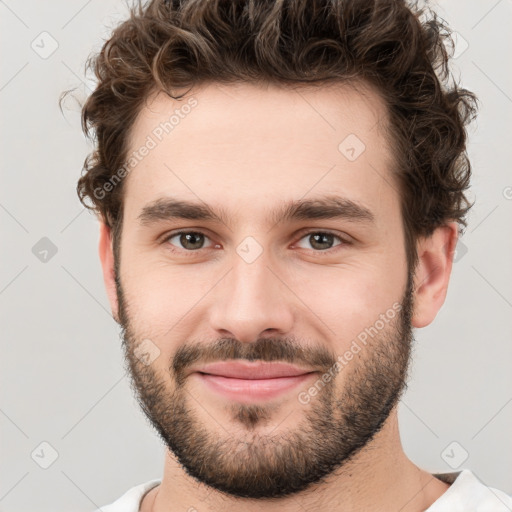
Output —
<point x="280" y="187"/>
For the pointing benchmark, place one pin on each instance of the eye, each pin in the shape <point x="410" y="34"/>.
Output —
<point x="189" y="240"/>
<point x="322" y="240"/>
<point x="194" y="241"/>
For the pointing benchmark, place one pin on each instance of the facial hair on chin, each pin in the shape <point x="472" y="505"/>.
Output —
<point x="335" y="426"/>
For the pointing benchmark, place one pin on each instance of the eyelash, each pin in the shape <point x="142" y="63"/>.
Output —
<point x="343" y="241"/>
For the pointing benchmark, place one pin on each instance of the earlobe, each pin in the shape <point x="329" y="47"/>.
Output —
<point x="432" y="276"/>
<point x="107" y="263"/>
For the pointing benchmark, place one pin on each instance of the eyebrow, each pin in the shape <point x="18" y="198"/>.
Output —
<point x="326" y="207"/>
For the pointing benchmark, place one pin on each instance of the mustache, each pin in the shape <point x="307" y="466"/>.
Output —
<point x="263" y="349"/>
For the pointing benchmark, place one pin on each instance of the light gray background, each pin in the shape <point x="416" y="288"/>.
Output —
<point x="61" y="364"/>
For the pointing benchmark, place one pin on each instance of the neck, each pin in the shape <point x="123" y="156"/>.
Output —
<point x="380" y="478"/>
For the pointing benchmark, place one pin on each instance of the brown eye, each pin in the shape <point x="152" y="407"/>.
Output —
<point x="188" y="240"/>
<point x="322" y="240"/>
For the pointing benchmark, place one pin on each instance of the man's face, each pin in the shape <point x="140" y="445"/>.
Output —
<point x="318" y="293"/>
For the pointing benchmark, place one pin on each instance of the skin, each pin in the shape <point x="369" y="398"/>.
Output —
<point x="249" y="149"/>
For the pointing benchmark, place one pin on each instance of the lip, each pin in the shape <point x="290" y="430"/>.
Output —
<point x="251" y="381"/>
<point x="249" y="370"/>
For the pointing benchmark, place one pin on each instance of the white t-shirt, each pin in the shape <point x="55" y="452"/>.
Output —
<point x="465" y="494"/>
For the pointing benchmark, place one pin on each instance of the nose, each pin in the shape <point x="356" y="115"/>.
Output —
<point x="251" y="302"/>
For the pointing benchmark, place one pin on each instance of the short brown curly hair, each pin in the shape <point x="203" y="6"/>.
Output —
<point x="398" y="48"/>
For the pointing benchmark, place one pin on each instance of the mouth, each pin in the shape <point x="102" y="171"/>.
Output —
<point x="251" y="381"/>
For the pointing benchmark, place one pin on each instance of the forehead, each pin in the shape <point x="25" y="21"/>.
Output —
<point x="247" y="148"/>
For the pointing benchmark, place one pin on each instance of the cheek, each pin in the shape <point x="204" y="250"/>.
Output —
<point x="162" y="298"/>
<point x="348" y="299"/>
<point x="166" y="300"/>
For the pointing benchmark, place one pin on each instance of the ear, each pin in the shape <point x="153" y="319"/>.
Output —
<point x="435" y="258"/>
<point x="107" y="263"/>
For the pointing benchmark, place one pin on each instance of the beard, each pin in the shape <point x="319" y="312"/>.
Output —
<point x="336" y="423"/>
